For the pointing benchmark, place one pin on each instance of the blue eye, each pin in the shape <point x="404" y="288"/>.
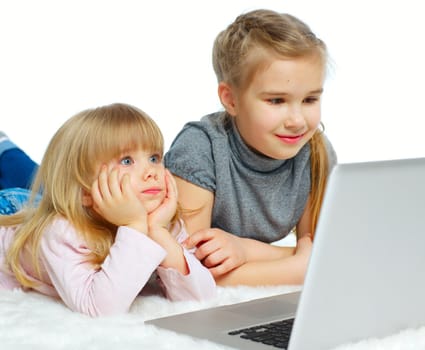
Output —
<point x="155" y="158"/>
<point x="126" y="161"/>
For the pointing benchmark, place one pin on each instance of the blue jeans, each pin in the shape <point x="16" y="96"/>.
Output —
<point x="16" y="167"/>
<point x="13" y="199"/>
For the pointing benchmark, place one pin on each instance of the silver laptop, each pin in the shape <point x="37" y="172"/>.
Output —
<point x="366" y="272"/>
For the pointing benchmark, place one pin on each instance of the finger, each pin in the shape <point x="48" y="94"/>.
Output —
<point x="126" y="185"/>
<point x="114" y="183"/>
<point x="215" y="258"/>
<point x="221" y="269"/>
<point x="95" y="193"/>
<point x="103" y="184"/>
<point x="171" y="184"/>
<point x="205" y="249"/>
<point x="197" y="238"/>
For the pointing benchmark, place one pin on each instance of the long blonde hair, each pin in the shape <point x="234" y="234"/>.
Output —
<point x="68" y="168"/>
<point x="247" y="45"/>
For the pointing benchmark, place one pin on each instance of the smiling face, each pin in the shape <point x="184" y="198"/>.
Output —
<point x="147" y="174"/>
<point x="279" y="111"/>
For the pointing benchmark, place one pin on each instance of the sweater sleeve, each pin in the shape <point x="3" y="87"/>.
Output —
<point x="112" y="288"/>
<point x="190" y="156"/>
<point x="198" y="284"/>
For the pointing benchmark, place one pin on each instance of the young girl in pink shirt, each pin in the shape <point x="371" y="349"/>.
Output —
<point x="106" y="221"/>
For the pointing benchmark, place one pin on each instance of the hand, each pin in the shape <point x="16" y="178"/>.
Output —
<point x="116" y="202"/>
<point x="162" y="215"/>
<point x="218" y="250"/>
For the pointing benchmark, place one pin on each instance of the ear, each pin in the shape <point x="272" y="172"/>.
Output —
<point x="86" y="198"/>
<point x="227" y="98"/>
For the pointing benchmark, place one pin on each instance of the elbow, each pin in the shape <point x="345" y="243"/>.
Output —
<point x="103" y="312"/>
<point x="206" y="293"/>
<point x="196" y="288"/>
<point x="101" y="308"/>
<point x="108" y="311"/>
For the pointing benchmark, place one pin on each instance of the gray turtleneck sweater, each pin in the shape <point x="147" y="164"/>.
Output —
<point x="255" y="196"/>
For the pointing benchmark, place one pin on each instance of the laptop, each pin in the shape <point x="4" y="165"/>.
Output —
<point x="365" y="277"/>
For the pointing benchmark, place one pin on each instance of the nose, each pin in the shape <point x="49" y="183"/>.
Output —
<point x="294" y="119"/>
<point x="149" y="173"/>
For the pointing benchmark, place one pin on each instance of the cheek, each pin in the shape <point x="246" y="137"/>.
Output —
<point x="314" y="119"/>
<point x="266" y="123"/>
<point x="258" y="120"/>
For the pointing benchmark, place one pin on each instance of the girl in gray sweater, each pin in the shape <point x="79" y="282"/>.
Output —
<point x="251" y="174"/>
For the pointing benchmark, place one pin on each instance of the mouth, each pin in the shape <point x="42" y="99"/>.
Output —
<point x="290" y="139"/>
<point x="152" y="191"/>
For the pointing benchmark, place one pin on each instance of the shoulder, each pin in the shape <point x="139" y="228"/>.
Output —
<point x="60" y="228"/>
<point x="197" y="136"/>
<point x="61" y="236"/>
<point x="191" y="154"/>
<point x="7" y="234"/>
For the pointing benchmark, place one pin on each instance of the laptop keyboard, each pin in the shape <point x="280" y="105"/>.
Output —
<point x="274" y="333"/>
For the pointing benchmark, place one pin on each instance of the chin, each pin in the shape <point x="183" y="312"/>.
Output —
<point x="285" y="155"/>
<point x="151" y="207"/>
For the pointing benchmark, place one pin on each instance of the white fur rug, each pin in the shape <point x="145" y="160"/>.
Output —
<point x="33" y="321"/>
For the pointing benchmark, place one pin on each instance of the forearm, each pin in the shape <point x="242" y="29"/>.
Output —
<point x="290" y="270"/>
<point x="197" y="285"/>
<point x="105" y="291"/>
<point x="258" y="251"/>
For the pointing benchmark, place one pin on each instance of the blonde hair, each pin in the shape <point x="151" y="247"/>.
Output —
<point x="248" y="45"/>
<point x="69" y="166"/>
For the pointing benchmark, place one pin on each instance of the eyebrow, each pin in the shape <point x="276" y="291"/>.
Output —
<point x="318" y="91"/>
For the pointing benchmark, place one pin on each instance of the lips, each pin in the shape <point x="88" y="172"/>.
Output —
<point x="152" y="191"/>
<point x="290" y="139"/>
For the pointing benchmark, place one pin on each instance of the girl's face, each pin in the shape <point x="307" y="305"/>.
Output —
<point x="279" y="111"/>
<point x="147" y="174"/>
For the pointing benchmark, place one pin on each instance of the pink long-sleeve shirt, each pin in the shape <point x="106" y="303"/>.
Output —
<point x="133" y="257"/>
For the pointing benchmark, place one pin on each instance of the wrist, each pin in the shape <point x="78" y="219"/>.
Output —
<point x="175" y="259"/>
<point x="256" y="250"/>
<point x="153" y="227"/>
<point x="140" y="227"/>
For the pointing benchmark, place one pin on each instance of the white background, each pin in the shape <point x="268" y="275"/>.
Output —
<point x="60" y="57"/>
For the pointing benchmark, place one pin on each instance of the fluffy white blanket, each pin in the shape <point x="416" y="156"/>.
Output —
<point x="29" y="320"/>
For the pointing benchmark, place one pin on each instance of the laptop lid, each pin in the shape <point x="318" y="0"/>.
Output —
<point x="365" y="276"/>
<point x="365" y="273"/>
